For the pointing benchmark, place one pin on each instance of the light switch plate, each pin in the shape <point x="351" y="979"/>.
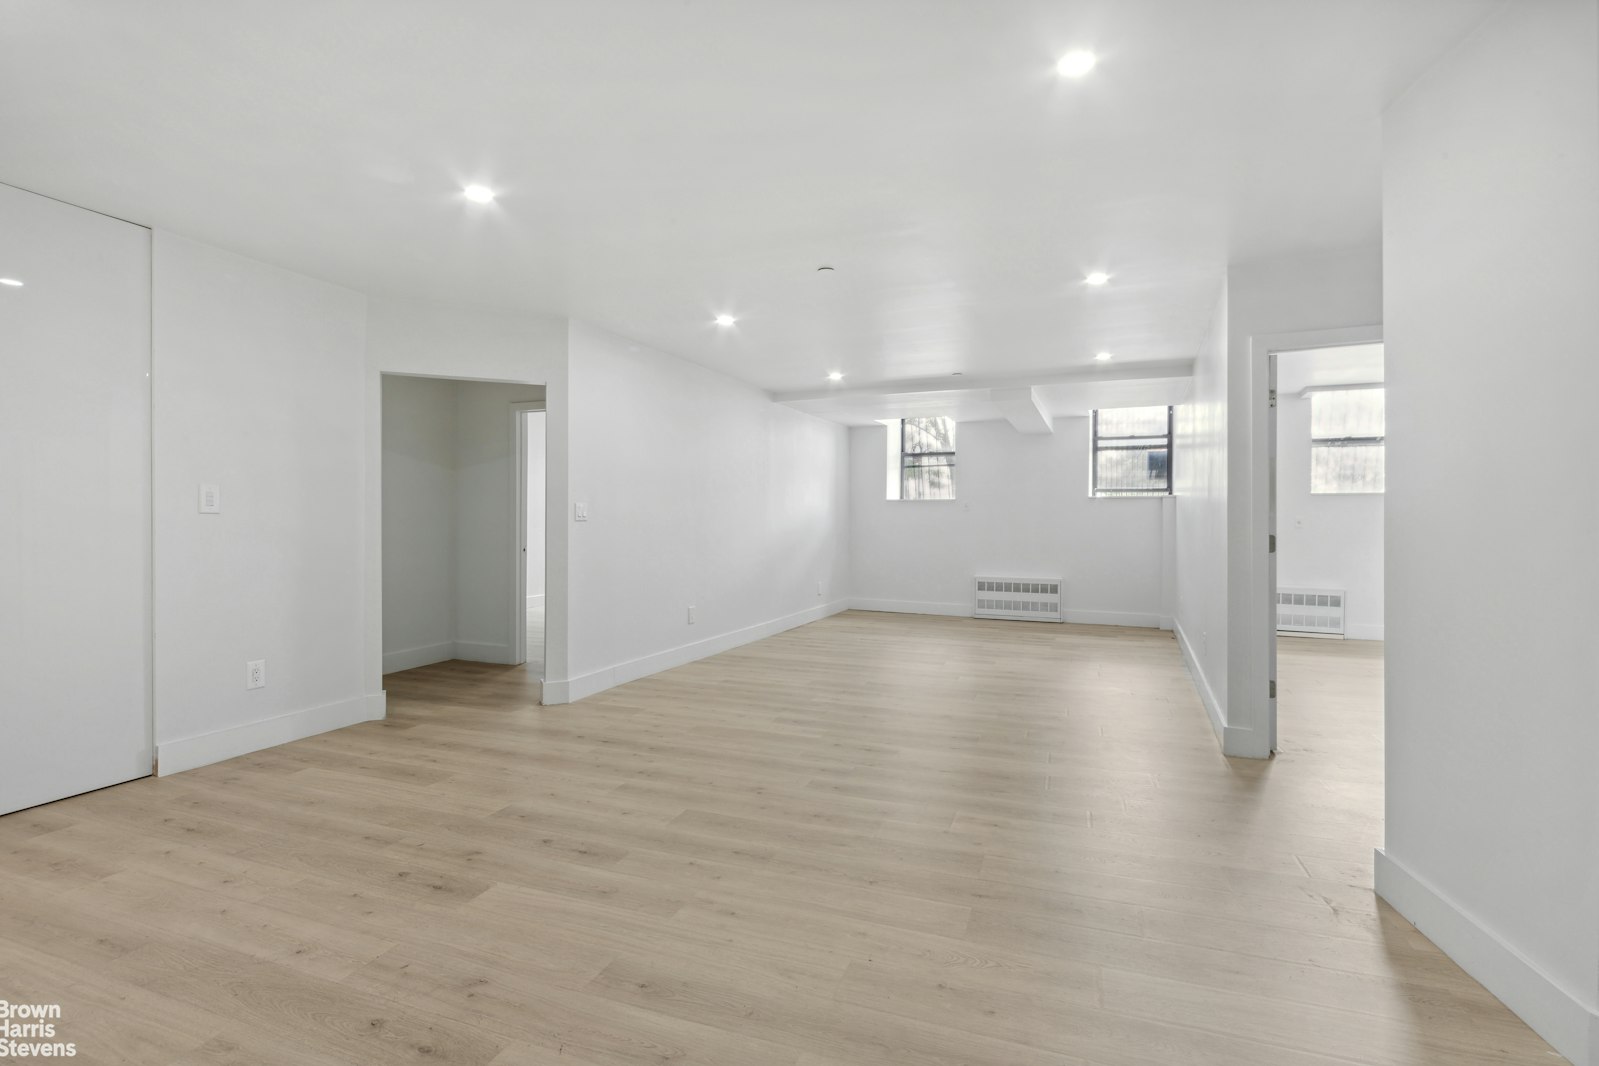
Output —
<point x="210" y="499"/>
<point x="580" y="512"/>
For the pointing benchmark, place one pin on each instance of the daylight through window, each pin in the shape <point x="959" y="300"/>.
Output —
<point x="1132" y="451"/>
<point x="1347" y="450"/>
<point x="923" y="458"/>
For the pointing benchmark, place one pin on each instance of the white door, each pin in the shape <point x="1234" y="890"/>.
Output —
<point x="75" y="703"/>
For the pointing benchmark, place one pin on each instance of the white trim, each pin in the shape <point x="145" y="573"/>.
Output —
<point x="1553" y="1012"/>
<point x="1366" y="632"/>
<point x="1136" y="619"/>
<point x="474" y="652"/>
<point x="411" y="658"/>
<point x="957" y="610"/>
<point x="534" y="601"/>
<point x="1207" y="695"/>
<point x="175" y="756"/>
<point x="519" y="472"/>
<point x="1234" y="740"/>
<point x="573" y="689"/>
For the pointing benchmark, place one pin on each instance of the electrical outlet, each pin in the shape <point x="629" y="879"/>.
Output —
<point x="691" y="616"/>
<point x="255" y="673"/>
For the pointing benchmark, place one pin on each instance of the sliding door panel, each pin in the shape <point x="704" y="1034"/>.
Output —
<point x="75" y="704"/>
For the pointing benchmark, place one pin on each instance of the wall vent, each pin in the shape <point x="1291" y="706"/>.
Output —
<point x="1026" y="599"/>
<point x="1318" y="611"/>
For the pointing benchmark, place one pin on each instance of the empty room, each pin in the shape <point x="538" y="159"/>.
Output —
<point x="799" y="532"/>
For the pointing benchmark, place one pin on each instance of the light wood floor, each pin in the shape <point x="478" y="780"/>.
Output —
<point x="873" y="840"/>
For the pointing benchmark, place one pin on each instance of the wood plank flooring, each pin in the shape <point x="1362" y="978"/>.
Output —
<point x="873" y="840"/>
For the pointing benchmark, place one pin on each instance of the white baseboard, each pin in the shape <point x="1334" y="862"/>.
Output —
<point x="573" y="689"/>
<point x="1136" y="619"/>
<point x="1552" y="1011"/>
<point x="411" y="658"/>
<point x="1363" y="632"/>
<point x="175" y="756"/>
<point x="535" y="601"/>
<point x="473" y="652"/>
<point x="1233" y="740"/>
<point x="956" y="610"/>
<point x="964" y="610"/>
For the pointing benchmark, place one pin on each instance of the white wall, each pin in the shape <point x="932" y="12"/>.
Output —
<point x="535" y="509"/>
<point x="1022" y="509"/>
<point x="701" y="492"/>
<point x="1200" y="483"/>
<point x="418" y="521"/>
<point x="257" y="388"/>
<point x="74" y="501"/>
<point x="1325" y="540"/>
<point x="1491" y="228"/>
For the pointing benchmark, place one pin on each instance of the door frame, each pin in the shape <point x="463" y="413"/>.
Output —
<point x="1260" y="619"/>
<point x="519" y="472"/>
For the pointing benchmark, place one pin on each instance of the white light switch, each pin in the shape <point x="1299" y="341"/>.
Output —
<point x="580" y="512"/>
<point x="210" y="499"/>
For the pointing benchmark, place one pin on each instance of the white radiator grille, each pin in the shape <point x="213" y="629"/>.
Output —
<point x="1035" y="599"/>
<point x="1310" y="611"/>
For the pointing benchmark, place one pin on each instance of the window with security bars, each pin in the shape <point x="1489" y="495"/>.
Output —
<point x="1347" y="449"/>
<point x="922" y="458"/>
<point x="1132" y="451"/>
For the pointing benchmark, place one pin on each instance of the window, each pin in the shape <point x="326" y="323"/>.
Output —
<point x="921" y="456"/>
<point x="1132" y="451"/>
<point x="1347" y="453"/>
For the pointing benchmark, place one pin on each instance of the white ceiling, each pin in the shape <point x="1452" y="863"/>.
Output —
<point x="660" y="162"/>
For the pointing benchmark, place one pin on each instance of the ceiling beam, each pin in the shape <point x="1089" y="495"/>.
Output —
<point x="1022" y="410"/>
<point x="1167" y="368"/>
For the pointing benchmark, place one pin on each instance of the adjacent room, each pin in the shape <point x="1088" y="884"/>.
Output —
<point x="780" y="533"/>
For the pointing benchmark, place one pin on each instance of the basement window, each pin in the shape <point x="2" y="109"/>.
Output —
<point x="1347" y="449"/>
<point x="1132" y="451"/>
<point x="921" y="458"/>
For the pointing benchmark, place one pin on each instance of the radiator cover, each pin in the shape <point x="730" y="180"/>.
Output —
<point x="1024" y="599"/>
<point x="1319" y="611"/>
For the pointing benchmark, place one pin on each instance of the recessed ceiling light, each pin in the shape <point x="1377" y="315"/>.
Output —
<point x="725" y="320"/>
<point x="13" y="282"/>
<point x="478" y="194"/>
<point x="1098" y="277"/>
<point x="1104" y="357"/>
<point x="835" y="375"/>
<point x="1076" y="63"/>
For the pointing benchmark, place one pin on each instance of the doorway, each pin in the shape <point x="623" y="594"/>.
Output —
<point x="454" y="509"/>
<point x="1327" y="467"/>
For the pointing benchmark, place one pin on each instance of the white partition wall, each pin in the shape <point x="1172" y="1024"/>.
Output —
<point x="75" y="707"/>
